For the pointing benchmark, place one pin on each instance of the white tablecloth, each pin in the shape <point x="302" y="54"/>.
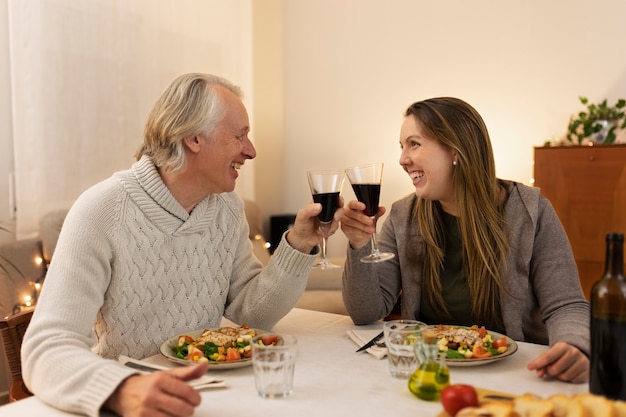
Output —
<point x="332" y="380"/>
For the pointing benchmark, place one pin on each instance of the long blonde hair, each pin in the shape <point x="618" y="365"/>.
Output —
<point x="480" y="206"/>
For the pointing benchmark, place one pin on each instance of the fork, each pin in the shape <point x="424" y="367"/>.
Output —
<point x="200" y="383"/>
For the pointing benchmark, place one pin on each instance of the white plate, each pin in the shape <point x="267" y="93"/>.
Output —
<point x="166" y="351"/>
<point x="511" y="349"/>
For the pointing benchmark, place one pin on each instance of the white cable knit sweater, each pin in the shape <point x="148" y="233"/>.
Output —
<point x="131" y="260"/>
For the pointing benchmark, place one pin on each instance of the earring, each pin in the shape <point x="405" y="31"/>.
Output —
<point x="454" y="162"/>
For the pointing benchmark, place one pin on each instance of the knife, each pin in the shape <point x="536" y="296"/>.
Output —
<point x="371" y="342"/>
<point x="140" y="367"/>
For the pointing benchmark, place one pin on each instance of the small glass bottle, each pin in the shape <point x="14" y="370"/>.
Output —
<point x="608" y="325"/>
<point x="432" y="374"/>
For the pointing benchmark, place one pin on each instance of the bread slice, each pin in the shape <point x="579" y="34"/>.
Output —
<point x="489" y="409"/>
<point x="566" y="406"/>
<point x="529" y="405"/>
<point x="620" y="408"/>
<point x="597" y="406"/>
<point x="473" y="412"/>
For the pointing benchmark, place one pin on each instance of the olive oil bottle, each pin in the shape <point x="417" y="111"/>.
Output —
<point x="432" y="374"/>
<point x="608" y="325"/>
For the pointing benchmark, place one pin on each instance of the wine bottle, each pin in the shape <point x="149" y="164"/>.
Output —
<point x="608" y="325"/>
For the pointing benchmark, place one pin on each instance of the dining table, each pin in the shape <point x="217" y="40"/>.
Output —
<point x="332" y="379"/>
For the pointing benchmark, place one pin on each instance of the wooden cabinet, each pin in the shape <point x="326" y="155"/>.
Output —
<point x="587" y="187"/>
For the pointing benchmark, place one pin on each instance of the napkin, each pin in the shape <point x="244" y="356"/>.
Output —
<point x="199" y="383"/>
<point x="361" y="337"/>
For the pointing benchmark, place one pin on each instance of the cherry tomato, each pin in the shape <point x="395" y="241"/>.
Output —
<point x="183" y="339"/>
<point x="269" y="339"/>
<point x="455" y="397"/>
<point x="194" y="354"/>
<point x="480" y="352"/>
<point x="501" y="342"/>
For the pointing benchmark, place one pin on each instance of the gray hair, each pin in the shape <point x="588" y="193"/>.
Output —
<point x="190" y="106"/>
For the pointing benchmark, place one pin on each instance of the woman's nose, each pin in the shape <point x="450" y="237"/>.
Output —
<point x="404" y="158"/>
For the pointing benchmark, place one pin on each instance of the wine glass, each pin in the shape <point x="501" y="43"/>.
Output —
<point x="366" y="180"/>
<point x="325" y="188"/>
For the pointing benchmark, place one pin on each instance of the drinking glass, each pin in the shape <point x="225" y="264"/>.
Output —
<point x="274" y="364"/>
<point x="401" y="336"/>
<point x="366" y="180"/>
<point x="325" y="188"/>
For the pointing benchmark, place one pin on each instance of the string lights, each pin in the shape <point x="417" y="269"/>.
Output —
<point x="30" y="300"/>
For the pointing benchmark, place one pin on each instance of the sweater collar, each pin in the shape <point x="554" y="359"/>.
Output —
<point x="156" y="201"/>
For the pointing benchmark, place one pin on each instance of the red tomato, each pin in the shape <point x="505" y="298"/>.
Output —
<point x="194" y="354"/>
<point x="455" y="397"/>
<point x="501" y="342"/>
<point x="480" y="352"/>
<point x="269" y="339"/>
<point x="183" y="339"/>
<point x="232" y="355"/>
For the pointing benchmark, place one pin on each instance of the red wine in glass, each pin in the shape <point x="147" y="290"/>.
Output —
<point x="329" y="202"/>
<point x="365" y="181"/>
<point x="325" y="189"/>
<point x="368" y="194"/>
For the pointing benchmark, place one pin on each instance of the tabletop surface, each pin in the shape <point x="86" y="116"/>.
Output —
<point x="331" y="379"/>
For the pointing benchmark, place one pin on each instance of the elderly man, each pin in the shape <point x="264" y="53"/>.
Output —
<point x="158" y="250"/>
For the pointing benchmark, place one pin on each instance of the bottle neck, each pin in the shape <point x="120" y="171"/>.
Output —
<point x="614" y="265"/>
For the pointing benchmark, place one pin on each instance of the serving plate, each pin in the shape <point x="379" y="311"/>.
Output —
<point x="166" y="351"/>
<point x="511" y="349"/>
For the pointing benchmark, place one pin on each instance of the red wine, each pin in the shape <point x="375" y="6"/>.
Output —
<point x="368" y="194"/>
<point x="608" y="338"/>
<point x="608" y="325"/>
<point x="329" y="202"/>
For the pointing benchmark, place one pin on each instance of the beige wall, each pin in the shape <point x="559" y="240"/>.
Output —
<point x="351" y="67"/>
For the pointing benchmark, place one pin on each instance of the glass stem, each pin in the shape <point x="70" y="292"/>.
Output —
<point x="324" y="230"/>
<point x="375" y="250"/>
<point x="324" y="249"/>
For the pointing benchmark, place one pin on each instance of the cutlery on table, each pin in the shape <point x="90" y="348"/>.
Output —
<point x="371" y="342"/>
<point x="202" y="382"/>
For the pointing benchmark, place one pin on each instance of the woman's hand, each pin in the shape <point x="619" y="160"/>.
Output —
<point x="163" y="393"/>
<point x="358" y="227"/>
<point x="305" y="234"/>
<point x="562" y="361"/>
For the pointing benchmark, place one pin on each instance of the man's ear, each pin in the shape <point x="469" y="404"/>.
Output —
<point x="192" y="143"/>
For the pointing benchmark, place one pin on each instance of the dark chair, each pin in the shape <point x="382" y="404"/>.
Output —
<point x="12" y="329"/>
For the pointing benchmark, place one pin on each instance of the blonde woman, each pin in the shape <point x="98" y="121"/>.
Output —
<point x="470" y="248"/>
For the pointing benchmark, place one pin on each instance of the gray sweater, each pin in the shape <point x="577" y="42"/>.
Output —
<point x="542" y="301"/>
<point x="131" y="269"/>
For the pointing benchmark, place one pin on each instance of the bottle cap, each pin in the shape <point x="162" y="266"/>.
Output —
<point x="615" y="236"/>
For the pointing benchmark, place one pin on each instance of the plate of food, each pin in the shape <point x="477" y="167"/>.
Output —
<point x="222" y="348"/>
<point x="471" y="346"/>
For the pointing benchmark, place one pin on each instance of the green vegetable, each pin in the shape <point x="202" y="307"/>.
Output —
<point x="454" y="354"/>
<point x="209" y="349"/>
<point x="181" y="351"/>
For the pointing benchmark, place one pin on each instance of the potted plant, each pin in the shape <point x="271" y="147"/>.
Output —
<point x="598" y="123"/>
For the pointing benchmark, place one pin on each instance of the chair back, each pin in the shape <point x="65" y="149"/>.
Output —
<point x="12" y="329"/>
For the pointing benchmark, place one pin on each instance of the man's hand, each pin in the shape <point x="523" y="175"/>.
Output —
<point x="162" y="393"/>
<point x="305" y="234"/>
<point x="562" y="361"/>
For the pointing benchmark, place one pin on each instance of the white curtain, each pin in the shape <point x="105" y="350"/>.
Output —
<point x="85" y="74"/>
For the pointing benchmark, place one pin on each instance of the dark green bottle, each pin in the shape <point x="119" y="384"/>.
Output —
<point x="608" y="325"/>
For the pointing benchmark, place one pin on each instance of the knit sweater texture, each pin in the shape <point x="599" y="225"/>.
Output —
<point x="131" y="269"/>
<point x="542" y="299"/>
